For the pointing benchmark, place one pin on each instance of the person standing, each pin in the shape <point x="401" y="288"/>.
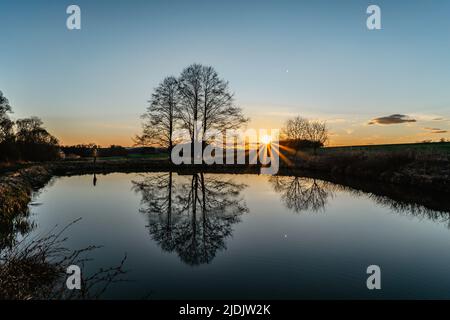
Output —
<point x="94" y="154"/>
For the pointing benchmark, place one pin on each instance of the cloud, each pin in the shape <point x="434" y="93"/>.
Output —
<point x="392" y="119"/>
<point x="436" y="130"/>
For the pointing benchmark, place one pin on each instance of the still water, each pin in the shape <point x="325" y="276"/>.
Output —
<point x="222" y="236"/>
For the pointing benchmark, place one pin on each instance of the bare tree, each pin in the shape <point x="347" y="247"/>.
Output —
<point x="190" y="89"/>
<point x="317" y="132"/>
<point x="295" y="129"/>
<point x="199" y="100"/>
<point x="31" y="130"/>
<point x="206" y="102"/>
<point x="300" y="132"/>
<point x="303" y="194"/>
<point x="6" y="125"/>
<point x="219" y="111"/>
<point x="160" y="116"/>
<point x="34" y="141"/>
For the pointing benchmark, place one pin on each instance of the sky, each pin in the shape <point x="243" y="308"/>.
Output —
<point x="315" y="59"/>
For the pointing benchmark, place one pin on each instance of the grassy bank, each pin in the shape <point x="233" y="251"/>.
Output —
<point x="16" y="188"/>
<point x="421" y="170"/>
<point x="35" y="268"/>
<point x="425" y="170"/>
<point x="435" y="147"/>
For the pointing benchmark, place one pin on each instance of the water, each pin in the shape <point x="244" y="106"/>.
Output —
<point x="247" y="236"/>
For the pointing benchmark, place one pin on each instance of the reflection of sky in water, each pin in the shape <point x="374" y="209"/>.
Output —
<point x="268" y="252"/>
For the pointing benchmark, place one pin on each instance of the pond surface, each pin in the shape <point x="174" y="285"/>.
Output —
<point x="222" y="236"/>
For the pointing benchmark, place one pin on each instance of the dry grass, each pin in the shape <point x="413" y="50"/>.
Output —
<point x="419" y="168"/>
<point x="36" y="269"/>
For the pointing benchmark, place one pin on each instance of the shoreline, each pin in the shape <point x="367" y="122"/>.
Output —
<point x="428" y="175"/>
<point x="17" y="186"/>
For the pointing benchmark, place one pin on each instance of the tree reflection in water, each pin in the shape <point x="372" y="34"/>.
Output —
<point x="11" y="227"/>
<point x="191" y="215"/>
<point x="302" y="194"/>
<point x="413" y="203"/>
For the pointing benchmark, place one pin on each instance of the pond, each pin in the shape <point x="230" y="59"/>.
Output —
<point x="224" y="236"/>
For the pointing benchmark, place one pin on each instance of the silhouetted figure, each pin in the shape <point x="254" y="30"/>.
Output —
<point x="94" y="181"/>
<point x="94" y="155"/>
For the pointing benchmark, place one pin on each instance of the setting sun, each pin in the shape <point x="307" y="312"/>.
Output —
<point x="266" y="139"/>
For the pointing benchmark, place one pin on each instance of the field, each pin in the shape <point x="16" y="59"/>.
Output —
<point x="138" y="156"/>
<point x="441" y="147"/>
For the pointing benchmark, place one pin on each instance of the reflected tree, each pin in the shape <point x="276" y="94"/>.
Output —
<point x="309" y="194"/>
<point x="191" y="215"/>
<point x="421" y="205"/>
<point x="157" y="199"/>
<point x="302" y="194"/>
<point x="12" y="227"/>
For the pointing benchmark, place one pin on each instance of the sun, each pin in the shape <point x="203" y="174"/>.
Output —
<point x="266" y="139"/>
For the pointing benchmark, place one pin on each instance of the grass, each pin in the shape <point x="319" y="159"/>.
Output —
<point x="148" y="156"/>
<point x="443" y="147"/>
<point x="35" y="268"/>
<point x="136" y="156"/>
<point x="420" y="165"/>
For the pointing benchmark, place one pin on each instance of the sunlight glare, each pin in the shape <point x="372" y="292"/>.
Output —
<point x="266" y="139"/>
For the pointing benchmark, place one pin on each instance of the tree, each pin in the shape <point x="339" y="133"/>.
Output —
<point x="160" y="116"/>
<point x="218" y="110"/>
<point x="34" y="141"/>
<point x="295" y="129"/>
<point x="199" y="100"/>
<point x="317" y="132"/>
<point x="190" y="89"/>
<point x="206" y="103"/>
<point x="6" y="125"/>
<point x="300" y="132"/>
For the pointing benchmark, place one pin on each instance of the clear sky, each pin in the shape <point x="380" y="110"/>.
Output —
<point x="315" y="58"/>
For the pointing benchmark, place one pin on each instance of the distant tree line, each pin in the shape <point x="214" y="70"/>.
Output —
<point x="197" y="100"/>
<point x="86" y="150"/>
<point x="24" y="139"/>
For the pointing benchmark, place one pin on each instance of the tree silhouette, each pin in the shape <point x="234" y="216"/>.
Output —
<point x="191" y="215"/>
<point x="34" y="141"/>
<point x="218" y="110"/>
<point x="160" y="116"/>
<point x="303" y="133"/>
<point x="198" y="101"/>
<point x="5" y="122"/>
<point x="190" y="88"/>
<point x="26" y="139"/>
<point x="7" y="149"/>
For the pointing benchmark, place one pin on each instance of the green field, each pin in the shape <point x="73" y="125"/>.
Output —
<point x="442" y="147"/>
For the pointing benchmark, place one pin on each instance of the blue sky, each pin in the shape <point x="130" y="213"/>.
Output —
<point x="282" y="58"/>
